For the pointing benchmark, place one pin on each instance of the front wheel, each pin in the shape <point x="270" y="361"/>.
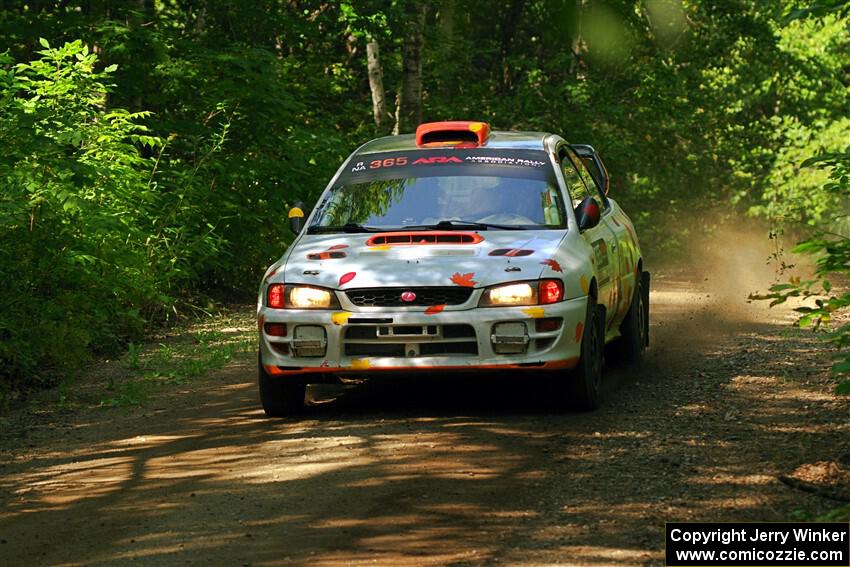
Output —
<point x="581" y="389"/>
<point x="281" y="396"/>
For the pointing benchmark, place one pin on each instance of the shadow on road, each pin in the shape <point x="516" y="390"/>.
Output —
<point x="465" y="471"/>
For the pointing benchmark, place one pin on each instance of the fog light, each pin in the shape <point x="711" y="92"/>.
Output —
<point x="309" y="341"/>
<point x="280" y="348"/>
<point x="547" y="324"/>
<point x="509" y="338"/>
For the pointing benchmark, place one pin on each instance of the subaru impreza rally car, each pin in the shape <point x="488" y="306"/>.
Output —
<point x="456" y="249"/>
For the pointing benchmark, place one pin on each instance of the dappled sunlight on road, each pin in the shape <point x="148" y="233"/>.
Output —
<point x="471" y="471"/>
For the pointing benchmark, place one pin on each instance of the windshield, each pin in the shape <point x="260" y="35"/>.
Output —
<point x="420" y="189"/>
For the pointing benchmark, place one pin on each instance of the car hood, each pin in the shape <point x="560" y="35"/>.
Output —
<point x="345" y="261"/>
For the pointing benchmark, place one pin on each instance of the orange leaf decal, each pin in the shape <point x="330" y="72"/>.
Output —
<point x="585" y="285"/>
<point x="552" y="263"/>
<point x="464" y="280"/>
<point x="579" y="332"/>
<point x="434" y="309"/>
<point x="345" y="278"/>
<point x="338" y="247"/>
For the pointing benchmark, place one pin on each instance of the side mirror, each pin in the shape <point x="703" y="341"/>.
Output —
<point x="587" y="214"/>
<point x="296" y="218"/>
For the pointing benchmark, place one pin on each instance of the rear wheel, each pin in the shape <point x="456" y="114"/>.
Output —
<point x="281" y="396"/>
<point x="634" y="330"/>
<point x="581" y="389"/>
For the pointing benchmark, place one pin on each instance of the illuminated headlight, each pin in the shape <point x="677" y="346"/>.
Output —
<point x="304" y="297"/>
<point x="281" y="296"/>
<point x="541" y="292"/>
<point x="511" y="294"/>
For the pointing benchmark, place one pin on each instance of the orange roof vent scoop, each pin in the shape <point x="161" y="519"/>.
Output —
<point x="453" y="133"/>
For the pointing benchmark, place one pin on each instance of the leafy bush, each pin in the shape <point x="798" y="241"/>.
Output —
<point x="833" y="260"/>
<point x="85" y="251"/>
<point x="72" y="258"/>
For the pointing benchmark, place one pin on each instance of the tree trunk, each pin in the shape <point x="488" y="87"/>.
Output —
<point x="578" y="47"/>
<point x="409" y="111"/>
<point x="446" y="22"/>
<point x="510" y="24"/>
<point x="142" y="15"/>
<point x="376" y="85"/>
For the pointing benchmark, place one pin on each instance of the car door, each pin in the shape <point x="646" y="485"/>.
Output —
<point x="594" y="170"/>
<point x="601" y="237"/>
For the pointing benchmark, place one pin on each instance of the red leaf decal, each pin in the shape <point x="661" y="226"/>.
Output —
<point x="464" y="280"/>
<point x="338" y="247"/>
<point x="552" y="263"/>
<point x="347" y="278"/>
<point x="434" y="309"/>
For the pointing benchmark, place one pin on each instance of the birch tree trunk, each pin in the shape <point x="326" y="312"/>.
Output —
<point x="409" y="111"/>
<point x="376" y="85"/>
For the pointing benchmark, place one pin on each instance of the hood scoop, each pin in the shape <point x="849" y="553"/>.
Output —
<point x="424" y="238"/>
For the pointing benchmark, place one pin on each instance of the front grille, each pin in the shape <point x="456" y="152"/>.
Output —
<point x="406" y="333"/>
<point x="401" y="340"/>
<point x="425" y="296"/>
<point x="356" y="349"/>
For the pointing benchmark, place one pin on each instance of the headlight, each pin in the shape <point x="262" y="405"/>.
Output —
<point x="300" y="297"/>
<point x="523" y="293"/>
<point x="511" y="294"/>
<point x="308" y="298"/>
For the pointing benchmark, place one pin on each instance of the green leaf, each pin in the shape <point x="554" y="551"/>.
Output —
<point x="44" y="43"/>
<point x="809" y="246"/>
<point x="111" y="68"/>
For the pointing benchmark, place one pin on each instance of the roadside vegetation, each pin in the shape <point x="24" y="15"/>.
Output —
<point x="151" y="149"/>
<point x="172" y="358"/>
<point x="147" y="368"/>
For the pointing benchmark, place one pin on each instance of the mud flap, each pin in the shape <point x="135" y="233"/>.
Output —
<point x="644" y="282"/>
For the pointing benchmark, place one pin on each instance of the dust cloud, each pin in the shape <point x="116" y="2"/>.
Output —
<point x="725" y="262"/>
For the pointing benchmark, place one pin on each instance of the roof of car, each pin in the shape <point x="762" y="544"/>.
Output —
<point x="498" y="139"/>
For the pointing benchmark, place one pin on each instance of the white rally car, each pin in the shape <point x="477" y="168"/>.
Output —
<point x="456" y="249"/>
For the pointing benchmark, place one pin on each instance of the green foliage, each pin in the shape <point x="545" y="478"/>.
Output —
<point x="72" y="208"/>
<point x="819" y="9"/>
<point x="833" y="259"/>
<point x="174" y="363"/>
<point x="840" y="514"/>
<point x="127" y="394"/>
<point x="152" y="149"/>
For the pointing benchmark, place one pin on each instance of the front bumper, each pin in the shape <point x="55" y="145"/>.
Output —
<point x="405" y="340"/>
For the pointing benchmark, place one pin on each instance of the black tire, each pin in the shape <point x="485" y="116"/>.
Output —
<point x="581" y="388"/>
<point x="634" y="330"/>
<point x="281" y="396"/>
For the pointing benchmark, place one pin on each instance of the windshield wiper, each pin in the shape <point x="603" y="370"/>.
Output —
<point x="461" y="224"/>
<point x="347" y="227"/>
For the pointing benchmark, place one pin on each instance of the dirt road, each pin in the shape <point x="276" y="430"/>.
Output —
<point x="446" y="472"/>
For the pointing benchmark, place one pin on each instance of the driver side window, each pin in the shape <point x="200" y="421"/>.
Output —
<point x="577" y="188"/>
<point x="579" y="182"/>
